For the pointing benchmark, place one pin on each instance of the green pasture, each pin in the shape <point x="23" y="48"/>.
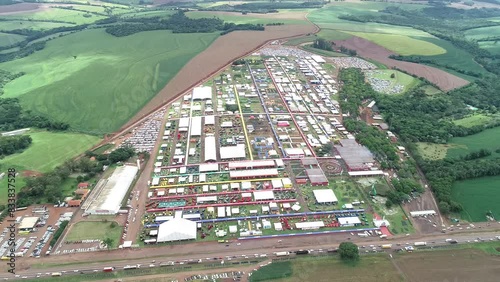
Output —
<point x="69" y="16"/>
<point x="329" y="268"/>
<point x="478" y="196"/>
<point x="332" y="34"/>
<point x="492" y="46"/>
<point x="88" y="230"/>
<point x="26" y="24"/>
<point x="242" y="19"/>
<point x="301" y="40"/>
<point x="473" y="120"/>
<point x="482" y="32"/>
<point x="322" y="52"/>
<point x="19" y="183"/>
<point x="94" y="87"/>
<point x="454" y="56"/>
<point x="487" y="139"/>
<point x="432" y="151"/>
<point x="148" y="14"/>
<point x="431" y="90"/>
<point x="401" y="44"/>
<point x="407" y="81"/>
<point x="7" y="39"/>
<point x="48" y="150"/>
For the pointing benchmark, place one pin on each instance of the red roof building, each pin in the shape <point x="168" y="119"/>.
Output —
<point x="83" y="185"/>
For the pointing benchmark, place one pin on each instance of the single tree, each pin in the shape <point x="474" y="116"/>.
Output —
<point x="349" y="251"/>
<point x="108" y="242"/>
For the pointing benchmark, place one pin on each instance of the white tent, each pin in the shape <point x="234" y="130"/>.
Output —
<point x="177" y="229"/>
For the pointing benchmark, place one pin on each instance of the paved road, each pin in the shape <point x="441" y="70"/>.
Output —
<point x="215" y="252"/>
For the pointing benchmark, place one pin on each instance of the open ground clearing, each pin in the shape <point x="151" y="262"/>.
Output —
<point x="401" y="44"/>
<point x="400" y="78"/>
<point x="431" y="90"/>
<point x="473" y="120"/>
<point x="449" y="265"/>
<point x="369" y="268"/>
<point x="49" y="150"/>
<point x="7" y="39"/>
<point x="478" y="196"/>
<point x="223" y="51"/>
<point x="92" y="230"/>
<point x="97" y="88"/>
<point x="368" y="49"/>
<point x="285" y="17"/>
<point x="487" y="139"/>
<point x="432" y="151"/>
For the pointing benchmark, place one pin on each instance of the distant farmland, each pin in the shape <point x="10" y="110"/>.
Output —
<point x="97" y="82"/>
<point x="478" y="196"/>
<point x="487" y="139"/>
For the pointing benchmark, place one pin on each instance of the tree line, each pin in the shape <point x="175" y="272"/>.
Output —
<point x="14" y="144"/>
<point x="6" y="77"/>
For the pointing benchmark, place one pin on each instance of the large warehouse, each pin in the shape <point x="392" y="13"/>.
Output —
<point x="325" y="196"/>
<point x="176" y="229"/>
<point x="202" y="93"/>
<point x="210" y="149"/>
<point x="356" y="156"/>
<point x="109" y="198"/>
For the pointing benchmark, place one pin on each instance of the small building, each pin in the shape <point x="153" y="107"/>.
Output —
<point x="28" y="223"/>
<point x="233" y="229"/>
<point x="83" y="185"/>
<point x="273" y="206"/>
<point x="349" y="221"/>
<point x="310" y="225"/>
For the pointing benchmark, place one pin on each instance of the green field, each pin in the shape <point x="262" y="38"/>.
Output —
<point x="431" y="90"/>
<point x="482" y="32"/>
<point x="322" y="52"/>
<point x="88" y="230"/>
<point x="332" y="34"/>
<point x="487" y="139"/>
<point x="401" y="44"/>
<point x="478" y="196"/>
<point x="69" y="16"/>
<point x="107" y="83"/>
<point x="49" y="150"/>
<point x="400" y="78"/>
<point x="473" y="120"/>
<point x="242" y="19"/>
<point x="432" y="151"/>
<point x="7" y="39"/>
<point x="330" y="268"/>
<point x="25" y="24"/>
<point x="492" y="46"/>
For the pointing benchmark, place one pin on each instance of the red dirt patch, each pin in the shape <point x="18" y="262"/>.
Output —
<point x="18" y="8"/>
<point x="31" y="173"/>
<point x="445" y="81"/>
<point x="219" y="54"/>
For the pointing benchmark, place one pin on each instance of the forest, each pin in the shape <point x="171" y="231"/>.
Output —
<point x="13" y="144"/>
<point x="13" y="117"/>
<point x="178" y="23"/>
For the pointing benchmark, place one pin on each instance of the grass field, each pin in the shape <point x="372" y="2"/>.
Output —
<point x="432" y="151"/>
<point x="401" y="44"/>
<point x="25" y="24"/>
<point x="7" y="39"/>
<point x="431" y="90"/>
<point x="107" y="83"/>
<point x="332" y="34"/>
<point x="473" y="120"/>
<point x="478" y="196"/>
<point x="243" y="19"/>
<point x="322" y="52"/>
<point x="400" y="78"/>
<point x="70" y="16"/>
<point x="49" y="150"/>
<point x="369" y="268"/>
<point x="487" y="139"/>
<point x="482" y="32"/>
<point x="301" y="40"/>
<point x="88" y="230"/>
<point x="492" y="46"/>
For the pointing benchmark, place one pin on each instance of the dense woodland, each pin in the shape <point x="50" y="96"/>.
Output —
<point x="13" y="144"/>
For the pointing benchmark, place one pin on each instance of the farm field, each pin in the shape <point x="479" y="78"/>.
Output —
<point x="401" y="44"/>
<point x="487" y="139"/>
<point x="238" y="18"/>
<point x="431" y="90"/>
<point x="49" y="150"/>
<point x="68" y="77"/>
<point x="35" y="25"/>
<point x="432" y="151"/>
<point x="69" y="16"/>
<point x="332" y="34"/>
<point x="7" y="39"/>
<point x="491" y="46"/>
<point x="478" y="196"/>
<point x="473" y="120"/>
<point x="369" y="268"/>
<point x="482" y="32"/>
<point x="89" y="230"/>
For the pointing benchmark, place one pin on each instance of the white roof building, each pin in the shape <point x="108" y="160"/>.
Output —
<point x="309" y="225"/>
<point x="202" y="93"/>
<point x="109" y="199"/>
<point x="349" y="221"/>
<point x="196" y="126"/>
<point x="210" y="149"/>
<point x="177" y="229"/>
<point x="263" y="195"/>
<point x="184" y="122"/>
<point x="325" y="196"/>
<point x="208" y="167"/>
<point x="232" y="152"/>
<point x="209" y="120"/>
<point x="28" y="223"/>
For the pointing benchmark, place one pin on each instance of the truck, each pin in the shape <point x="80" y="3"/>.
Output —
<point x="19" y="254"/>
<point x="108" y="269"/>
<point x="451" y="241"/>
<point x="281" y="254"/>
<point x="127" y="267"/>
<point x="223" y="241"/>
<point x="386" y="246"/>
<point x="302" y="252"/>
<point x="420" y="244"/>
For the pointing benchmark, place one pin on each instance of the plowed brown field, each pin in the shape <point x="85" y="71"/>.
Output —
<point x="367" y="49"/>
<point x="18" y="8"/>
<point x="222" y="52"/>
